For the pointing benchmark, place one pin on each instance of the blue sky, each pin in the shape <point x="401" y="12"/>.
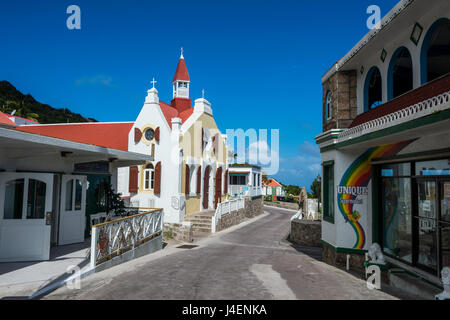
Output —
<point x="260" y="62"/>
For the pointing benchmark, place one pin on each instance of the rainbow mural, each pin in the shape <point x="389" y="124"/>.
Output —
<point x="357" y="176"/>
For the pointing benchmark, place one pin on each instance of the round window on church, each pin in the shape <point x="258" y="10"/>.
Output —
<point x="149" y="134"/>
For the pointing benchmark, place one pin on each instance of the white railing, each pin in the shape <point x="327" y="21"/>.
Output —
<point x="112" y="238"/>
<point x="241" y="190"/>
<point x="224" y="208"/>
<point x="437" y="103"/>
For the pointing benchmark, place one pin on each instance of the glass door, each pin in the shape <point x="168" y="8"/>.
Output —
<point x="444" y="221"/>
<point x="427" y="231"/>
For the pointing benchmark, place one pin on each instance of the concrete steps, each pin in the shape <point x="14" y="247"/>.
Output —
<point x="201" y="223"/>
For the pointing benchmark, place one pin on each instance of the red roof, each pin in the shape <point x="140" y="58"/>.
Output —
<point x="4" y="120"/>
<point x="181" y="73"/>
<point x="170" y="112"/>
<point x="108" y="135"/>
<point x="420" y="94"/>
<point x="272" y="183"/>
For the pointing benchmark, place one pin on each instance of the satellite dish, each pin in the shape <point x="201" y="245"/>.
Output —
<point x="14" y="111"/>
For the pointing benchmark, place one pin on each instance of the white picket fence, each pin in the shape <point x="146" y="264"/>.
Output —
<point x="224" y="208"/>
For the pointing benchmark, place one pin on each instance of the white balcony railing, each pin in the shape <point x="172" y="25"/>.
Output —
<point x="421" y="109"/>
<point x="224" y="208"/>
<point x="112" y="238"/>
<point x="243" y="190"/>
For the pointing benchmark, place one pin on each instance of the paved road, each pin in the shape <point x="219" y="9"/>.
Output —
<point x="249" y="261"/>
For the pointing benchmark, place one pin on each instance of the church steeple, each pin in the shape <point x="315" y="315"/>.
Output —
<point x="180" y="83"/>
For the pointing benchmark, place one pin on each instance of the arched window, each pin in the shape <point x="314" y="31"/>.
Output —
<point x="400" y="73"/>
<point x="328" y="106"/>
<point x="435" y="54"/>
<point x="149" y="177"/>
<point x="373" y="89"/>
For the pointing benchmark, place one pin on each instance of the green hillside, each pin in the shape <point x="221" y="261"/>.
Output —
<point x="27" y="107"/>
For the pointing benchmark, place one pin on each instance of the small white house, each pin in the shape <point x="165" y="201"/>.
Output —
<point x="244" y="180"/>
<point x="273" y="188"/>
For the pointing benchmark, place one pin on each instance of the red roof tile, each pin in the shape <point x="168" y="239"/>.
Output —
<point x="108" y="135"/>
<point x="181" y="73"/>
<point x="170" y="112"/>
<point x="4" y="120"/>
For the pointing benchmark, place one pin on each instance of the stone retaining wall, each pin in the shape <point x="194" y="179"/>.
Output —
<point x="252" y="208"/>
<point x="285" y="205"/>
<point x="180" y="232"/>
<point x="335" y="258"/>
<point x="306" y="233"/>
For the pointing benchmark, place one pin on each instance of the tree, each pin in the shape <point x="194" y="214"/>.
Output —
<point x="21" y="110"/>
<point x="316" y="187"/>
<point x="292" y="189"/>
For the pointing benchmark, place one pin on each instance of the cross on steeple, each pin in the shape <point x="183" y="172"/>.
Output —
<point x="181" y="56"/>
<point x="153" y="82"/>
<point x="203" y="93"/>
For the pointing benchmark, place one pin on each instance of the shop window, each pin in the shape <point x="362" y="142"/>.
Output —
<point x="36" y="199"/>
<point x="435" y="55"/>
<point x="397" y="217"/>
<point x="14" y="199"/>
<point x="328" y="192"/>
<point x="433" y="168"/>
<point x="372" y="89"/>
<point x="400" y="73"/>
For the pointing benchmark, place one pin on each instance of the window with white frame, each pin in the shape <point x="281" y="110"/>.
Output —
<point x="329" y="105"/>
<point x="149" y="177"/>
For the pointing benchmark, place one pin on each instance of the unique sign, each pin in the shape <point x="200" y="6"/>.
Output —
<point x="352" y="189"/>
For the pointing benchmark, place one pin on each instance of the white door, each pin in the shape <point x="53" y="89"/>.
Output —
<point x="25" y="216"/>
<point x="72" y="217"/>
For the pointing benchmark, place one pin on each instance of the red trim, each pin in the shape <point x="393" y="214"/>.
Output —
<point x="420" y="94"/>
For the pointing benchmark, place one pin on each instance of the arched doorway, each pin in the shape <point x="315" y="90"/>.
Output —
<point x="435" y="53"/>
<point x="218" y="187"/>
<point x="400" y="73"/>
<point x="373" y="89"/>
<point x="206" y="187"/>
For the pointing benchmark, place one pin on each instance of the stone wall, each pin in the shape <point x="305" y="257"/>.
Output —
<point x="180" y="232"/>
<point x="306" y="233"/>
<point x="331" y="256"/>
<point x="344" y="109"/>
<point x="252" y="208"/>
<point x="285" y="205"/>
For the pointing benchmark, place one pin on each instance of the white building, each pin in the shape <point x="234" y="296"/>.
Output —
<point x="273" y="188"/>
<point x="245" y="180"/>
<point x="45" y="189"/>
<point x="385" y="144"/>
<point x="188" y="173"/>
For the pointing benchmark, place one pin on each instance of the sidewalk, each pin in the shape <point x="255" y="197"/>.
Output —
<point x="22" y="280"/>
